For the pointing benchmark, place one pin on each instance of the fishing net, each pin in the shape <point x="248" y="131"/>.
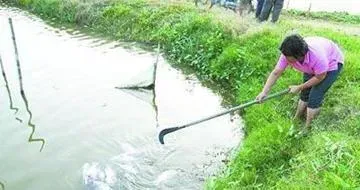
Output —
<point x="142" y="85"/>
<point x="144" y="80"/>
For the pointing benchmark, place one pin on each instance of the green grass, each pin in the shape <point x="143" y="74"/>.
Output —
<point x="238" y="63"/>
<point x="342" y="17"/>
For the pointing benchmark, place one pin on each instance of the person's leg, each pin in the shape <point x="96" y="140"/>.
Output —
<point x="278" y="5"/>
<point x="301" y="108"/>
<point x="212" y="3"/>
<point x="232" y="6"/>
<point x="304" y="98"/>
<point x="317" y="94"/>
<point x="244" y="5"/>
<point x="251" y="7"/>
<point x="259" y="7"/>
<point x="265" y="11"/>
<point x="311" y="113"/>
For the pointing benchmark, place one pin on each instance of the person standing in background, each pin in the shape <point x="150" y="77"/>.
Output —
<point x="274" y="5"/>
<point x="245" y="5"/>
<point x="259" y="7"/>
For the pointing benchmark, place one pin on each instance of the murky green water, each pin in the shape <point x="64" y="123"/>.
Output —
<point x="96" y="136"/>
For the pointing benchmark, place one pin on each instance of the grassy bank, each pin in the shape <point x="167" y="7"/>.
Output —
<point x="238" y="62"/>
<point x="341" y="17"/>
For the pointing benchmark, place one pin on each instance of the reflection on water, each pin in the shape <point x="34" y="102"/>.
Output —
<point x="22" y="92"/>
<point x="154" y="87"/>
<point x="7" y="87"/>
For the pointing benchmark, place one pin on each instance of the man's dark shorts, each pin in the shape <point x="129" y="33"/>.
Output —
<point x="315" y="95"/>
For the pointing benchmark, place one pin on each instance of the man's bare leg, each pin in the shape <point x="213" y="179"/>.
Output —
<point x="310" y="115"/>
<point x="299" y="117"/>
<point x="300" y="111"/>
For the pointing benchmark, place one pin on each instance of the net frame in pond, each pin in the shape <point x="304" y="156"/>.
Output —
<point x="141" y="88"/>
<point x="144" y="84"/>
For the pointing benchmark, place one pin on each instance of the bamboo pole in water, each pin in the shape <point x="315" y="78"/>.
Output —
<point x="22" y="92"/>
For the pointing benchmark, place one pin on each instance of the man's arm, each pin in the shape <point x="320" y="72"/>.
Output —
<point x="308" y="84"/>
<point x="313" y="81"/>
<point x="274" y="75"/>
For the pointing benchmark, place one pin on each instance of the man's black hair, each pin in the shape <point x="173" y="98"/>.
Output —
<point x="294" y="45"/>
